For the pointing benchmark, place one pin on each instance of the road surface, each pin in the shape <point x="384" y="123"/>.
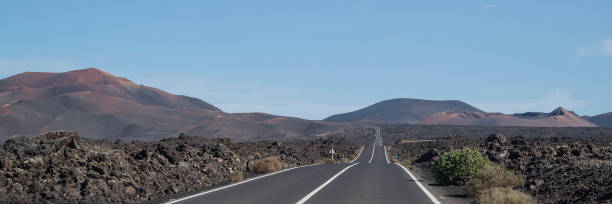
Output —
<point x="370" y="178"/>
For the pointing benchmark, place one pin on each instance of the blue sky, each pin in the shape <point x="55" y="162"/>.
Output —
<point x="312" y="59"/>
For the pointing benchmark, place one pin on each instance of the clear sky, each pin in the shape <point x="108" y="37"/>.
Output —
<point x="312" y="59"/>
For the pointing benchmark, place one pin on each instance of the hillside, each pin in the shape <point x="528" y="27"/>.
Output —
<point x="102" y="106"/>
<point x="557" y="118"/>
<point x="603" y="120"/>
<point x="402" y="110"/>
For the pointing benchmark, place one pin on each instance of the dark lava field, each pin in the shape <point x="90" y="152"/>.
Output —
<point x="561" y="165"/>
<point x="61" y="167"/>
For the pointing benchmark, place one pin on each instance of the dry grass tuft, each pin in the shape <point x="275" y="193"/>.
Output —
<point x="267" y="165"/>
<point x="491" y="176"/>
<point x="393" y="160"/>
<point x="355" y="154"/>
<point x="236" y="176"/>
<point x="498" y="195"/>
<point x="326" y="161"/>
<point x="406" y="163"/>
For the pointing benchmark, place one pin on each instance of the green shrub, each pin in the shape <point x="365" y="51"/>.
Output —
<point x="498" y="195"/>
<point x="491" y="176"/>
<point x="459" y="165"/>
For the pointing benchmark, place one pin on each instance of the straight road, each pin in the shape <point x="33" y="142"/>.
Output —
<point x="370" y="178"/>
<point x="373" y="181"/>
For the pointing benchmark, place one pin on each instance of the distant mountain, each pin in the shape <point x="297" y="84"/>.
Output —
<point x="402" y="110"/>
<point x="99" y="105"/>
<point x="603" y="120"/>
<point x="557" y="118"/>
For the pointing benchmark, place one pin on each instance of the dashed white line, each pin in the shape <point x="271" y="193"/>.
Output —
<point x="431" y="196"/>
<point x="372" y="157"/>
<point x="303" y="200"/>
<point x="361" y="150"/>
<point x="224" y="187"/>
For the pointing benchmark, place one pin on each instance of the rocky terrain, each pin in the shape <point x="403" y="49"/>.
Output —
<point x="557" y="169"/>
<point x="398" y="131"/>
<point x="63" y="167"/>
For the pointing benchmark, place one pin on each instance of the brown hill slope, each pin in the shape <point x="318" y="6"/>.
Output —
<point x="557" y="118"/>
<point x="603" y="120"/>
<point x="402" y="110"/>
<point x="100" y="105"/>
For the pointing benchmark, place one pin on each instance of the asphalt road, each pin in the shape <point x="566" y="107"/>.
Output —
<point x="368" y="179"/>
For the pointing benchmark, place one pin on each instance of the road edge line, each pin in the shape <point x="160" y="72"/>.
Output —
<point x="171" y="201"/>
<point x="361" y="150"/>
<point x="431" y="196"/>
<point x="315" y="191"/>
<point x="387" y="158"/>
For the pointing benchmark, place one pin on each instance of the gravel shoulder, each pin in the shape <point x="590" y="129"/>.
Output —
<point x="444" y="193"/>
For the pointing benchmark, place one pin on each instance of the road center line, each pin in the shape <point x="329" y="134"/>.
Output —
<point x="431" y="196"/>
<point x="372" y="157"/>
<point x="361" y="150"/>
<point x="234" y="184"/>
<point x="305" y="198"/>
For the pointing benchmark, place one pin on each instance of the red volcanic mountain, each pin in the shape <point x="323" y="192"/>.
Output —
<point x="557" y="118"/>
<point x="99" y="105"/>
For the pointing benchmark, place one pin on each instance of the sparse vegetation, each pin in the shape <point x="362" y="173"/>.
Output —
<point x="459" y="165"/>
<point x="494" y="185"/>
<point x="497" y="195"/>
<point x="236" y="176"/>
<point x="266" y="165"/>
<point x="407" y="164"/>
<point x="333" y="161"/>
<point x="393" y="160"/>
<point x="355" y="154"/>
<point x="337" y="160"/>
<point x="492" y="176"/>
<point x="326" y="161"/>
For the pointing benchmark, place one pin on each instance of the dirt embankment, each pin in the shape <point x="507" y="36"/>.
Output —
<point x="62" y="167"/>
<point x="558" y="170"/>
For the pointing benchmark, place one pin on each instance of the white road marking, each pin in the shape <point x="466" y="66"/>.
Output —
<point x="431" y="196"/>
<point x="387" y="158"/>
<point x="234" y="184"/>
<point x="305" y="198"/>
<point x="372" y="157"/>
<point x="376" y="142"/>
<point x="361" y="150"/>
